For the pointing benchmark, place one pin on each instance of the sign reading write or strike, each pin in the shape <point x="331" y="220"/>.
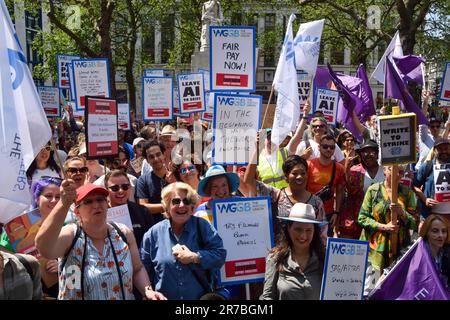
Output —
<point x="50" y="100"/>
<point x="345" y="269"/>
<point x="237" y="118"/>
<point x="101" y="128"/>
<point x="91" y="78"/>
<point x="442" y="182"/>
<point x="64" y="63"/>
<point x="157" y="98"/>
<point x="124" y="118"/>
<point x="245" y="226"/>
<point x="232" y="58"/>
<point x="326" y="101"/>
<point x="191" y="92"/>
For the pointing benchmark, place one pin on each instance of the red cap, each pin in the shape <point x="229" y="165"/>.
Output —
<point x="85" y="190"/>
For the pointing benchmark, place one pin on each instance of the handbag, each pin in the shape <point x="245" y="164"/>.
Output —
<point x="326" y="192"/>
<point x="212" y="292"/>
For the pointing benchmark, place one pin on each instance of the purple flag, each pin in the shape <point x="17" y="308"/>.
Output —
<point x="414" y="277"/>
<point x="350" y="102"/>
<point x="394" y="87"/>
<point x="410" y="68"/>
<point x="365" y="94"/>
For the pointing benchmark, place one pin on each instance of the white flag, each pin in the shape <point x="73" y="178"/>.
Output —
<point x="393" y="50"/>
<point x="307" y="46"/>
<point x="24" y="128"/>
<point x="287" y="111"/>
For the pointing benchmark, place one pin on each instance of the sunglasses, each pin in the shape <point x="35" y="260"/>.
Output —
<point x="317" y="126"/>
<point x="328" y="146"/>
<point x="89" y="202"/>
<point x="51" y="178"/>
<point x="190" y="168"/>
<point x="77" y="170"/>
<point x="117" y="187"/>
<point x="177" y="201"/>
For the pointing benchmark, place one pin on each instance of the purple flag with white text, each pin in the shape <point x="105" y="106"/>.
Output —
<point x="414" y="277"/>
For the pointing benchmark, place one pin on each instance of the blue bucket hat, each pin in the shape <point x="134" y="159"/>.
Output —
<point x="214" y="171"/>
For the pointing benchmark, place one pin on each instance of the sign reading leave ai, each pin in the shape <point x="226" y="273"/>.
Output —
<point x="345" y="269"/>
<point x="326" y="101"/>
<point x="191" y="92"/>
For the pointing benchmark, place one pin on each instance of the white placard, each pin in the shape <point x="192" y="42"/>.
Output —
<point x="64" y="65"/>
<point x="304" y="84"/>
<point x="237" y="118"/>
<point x="91" y="78"/>
<point x="157" y="98"/>
<point x="245" y="226"/>
<point x="232" y="58"/>
<point x="50" y="100"/>
<point x="209" y="112"/>
<point x="191" y="92"/>
<point x="345" y="269"/>
<point x="120" y="214"/>
<point x="154" y="73"/>
<point x="445" y="85"/>
<point x="124" y="117"/>
<point x="442" y="182"/>
<point x="206" y="79"/>
<point x="327" y="100"/>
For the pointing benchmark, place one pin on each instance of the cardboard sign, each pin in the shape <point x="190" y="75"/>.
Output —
<point x="153" y="72"/>
<point x="245" y="226"/>
<point x="50" y="100"/>
<point x="101" y="128"/>
<point x="237" y="118"/>
<point x="445" y="85"/>
<point x="232" y="59"/>
<point x="327" y="101"/>
<point x="397" y="139"/>
<point x="442" y="182"/>
<point x="191" y="92"/>
<point x="120" y="214"/>
<point x="124" y="116"/>
<point x="345" y="269"/>
<point x="304" y="83"/>
<point x="91" y="78"/>
<point x="206" y="78"/>
<point x="157" y="98"/>
<point x="64" y="65"/>
<point x="209" y="112"/>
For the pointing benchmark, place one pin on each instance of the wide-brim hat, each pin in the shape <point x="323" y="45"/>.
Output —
<point x="137" y="140"/>
<point x="368" y="144"/>
<point x="303" y="212"/>
<point x="168" y="130"/>
<point x="441" y="140"/>
<point x="215" y="171"/>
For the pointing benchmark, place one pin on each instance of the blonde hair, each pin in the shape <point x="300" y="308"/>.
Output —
<point x="167" y="192"/>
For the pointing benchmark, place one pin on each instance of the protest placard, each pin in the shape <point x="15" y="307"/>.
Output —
<point x="157" y="98"/>
<point x="232" y="59"/>
<point x="245" y="226"/>
<point x="327" y="100"/>
<point x="64" y="65"/>
<point x="345" y="269"/>
<point x="442" y="182"/>
<point x="101" y="128"/>
<point x="397" y="139"/>
<point x="304" y="84"/>
<point x="124" y="117"/>
<point x="269" y="113"/>
<point x="77" y="114"/>
<point x="237" y="118"/>
<point x="91" y="78"/>
<point x="120" y="214"/>
<point x="71" y="84"/>
<point x="176" y="105"/>
<point x="153" y="72"/>
<point x="445" y="85"/>
<point x="191" y="92"/>
<point x="50" y="100"/>
<point x="206" y="79"/>
<point x="209" y="112"/>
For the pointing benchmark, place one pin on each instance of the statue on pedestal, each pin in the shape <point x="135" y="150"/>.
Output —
<point x="211" y="15"/>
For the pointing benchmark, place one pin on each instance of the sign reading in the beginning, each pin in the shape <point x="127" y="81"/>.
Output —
<point x="397" y="135"/>
<point x="191" y="92"/>
<point x="232" y="59"/>
<point x="236" y="120"/>
<point x="245" y="226"/>
<point x="345" y="269"/>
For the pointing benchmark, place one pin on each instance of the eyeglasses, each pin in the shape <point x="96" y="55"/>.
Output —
<point x="190" y="168"/>
<point x="89" y="202"/>
<point x="117" y="187"/>
<point x="318" y="126"/>
<point x="177" y="201"/>
<point x="46" y="148"/>
<point x="77" y="170"/>
<point x="328" y="146"/>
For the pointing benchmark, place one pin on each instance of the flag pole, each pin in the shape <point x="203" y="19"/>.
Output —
<point x="394" y="194"/>
<point x="53" y="144"/>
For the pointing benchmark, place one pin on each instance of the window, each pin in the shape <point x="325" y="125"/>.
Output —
<point x="337" y="55"/>
<point x="148" y="44"/>
<point x="33" y="24"/>
<point x="167" y="37"/>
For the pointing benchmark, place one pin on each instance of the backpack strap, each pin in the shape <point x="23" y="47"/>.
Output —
<point x="26" y="264"/>
<point x="332" y="175"/>
<point x="121" y="234"/>
<point x="75" y="238"/>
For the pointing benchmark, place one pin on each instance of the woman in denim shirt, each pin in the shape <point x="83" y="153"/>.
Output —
<point x="181" y="245"/>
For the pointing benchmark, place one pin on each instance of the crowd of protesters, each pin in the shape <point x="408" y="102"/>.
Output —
<point x="322" y="182"/>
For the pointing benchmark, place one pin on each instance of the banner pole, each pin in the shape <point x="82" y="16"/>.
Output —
<point x="394" y="194"/>
<point x="267" y="105"/>
<point x="53" y="144"/>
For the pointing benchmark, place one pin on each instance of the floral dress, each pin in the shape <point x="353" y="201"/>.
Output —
<point x="374" y="210"/>
<point x="101" y="277"/>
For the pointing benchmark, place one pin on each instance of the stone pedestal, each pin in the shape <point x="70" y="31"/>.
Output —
<point x="200" y="60"/>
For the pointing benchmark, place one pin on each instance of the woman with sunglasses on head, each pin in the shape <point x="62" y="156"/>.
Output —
<point x="179" y="251"/>
<point x="43" y="165"/>
<point x="346" y="141"/>
<point x="101" y="257"/>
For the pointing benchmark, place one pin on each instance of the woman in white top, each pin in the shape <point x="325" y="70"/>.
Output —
<point x="43" y="166"/>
